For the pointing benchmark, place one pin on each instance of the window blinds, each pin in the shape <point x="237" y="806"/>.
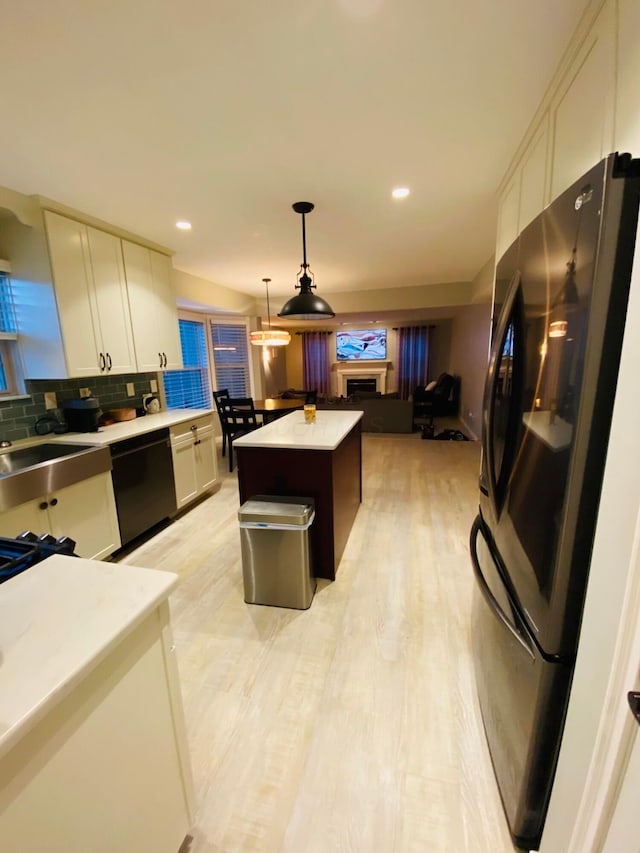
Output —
<point x="189" y="388"/>
<point x="8" y="332"/>
<point x="231" y="358"/>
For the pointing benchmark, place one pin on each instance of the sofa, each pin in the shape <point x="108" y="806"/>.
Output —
<point x="381" y="413"/>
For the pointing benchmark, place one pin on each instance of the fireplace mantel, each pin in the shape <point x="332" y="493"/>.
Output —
<point x="361" y="370"/>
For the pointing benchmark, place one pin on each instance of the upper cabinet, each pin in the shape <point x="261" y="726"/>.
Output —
<point x="582" y="111"/>
<point x="572" y="131"/>
<point x="153" y="308"/>
<point x="109" y="303"/>
<point x="91" y="294"/>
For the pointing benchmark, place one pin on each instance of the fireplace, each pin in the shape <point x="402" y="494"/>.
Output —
<point x="373" y="373"/>
<point x="355" y="385"/>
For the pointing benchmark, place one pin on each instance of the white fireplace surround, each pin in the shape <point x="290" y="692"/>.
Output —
<point x="361" y="370"/>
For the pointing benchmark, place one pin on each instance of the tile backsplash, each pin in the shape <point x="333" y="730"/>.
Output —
<point x="18" y="417"/>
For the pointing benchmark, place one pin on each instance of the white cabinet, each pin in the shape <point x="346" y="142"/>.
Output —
<point x="85" y="511"/>
<point x="98" y="748"/>
<point x="152" y="302"/>
<point x="195" y="466"/>
<point x="583" y="109"/>
<point x="91" y="295"/>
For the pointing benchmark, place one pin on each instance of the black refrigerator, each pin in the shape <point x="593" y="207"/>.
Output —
<point x="559" y="312"/>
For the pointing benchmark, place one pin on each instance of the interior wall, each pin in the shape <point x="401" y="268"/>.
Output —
<point x="469" y="359"/>
<point x="440" y="337"/>
<point x="197" y="294"/>
<point x="294" y="362"/>
<point x="482" y="284"/>
<point x="274" y="368"/>
<point x="440" y="355"/>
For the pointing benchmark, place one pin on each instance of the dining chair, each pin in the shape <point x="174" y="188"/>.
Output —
<point x="239" y="416"/>
<point x="219" y="396"/>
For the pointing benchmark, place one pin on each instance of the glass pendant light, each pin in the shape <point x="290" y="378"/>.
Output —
<point x="269" y="337"/>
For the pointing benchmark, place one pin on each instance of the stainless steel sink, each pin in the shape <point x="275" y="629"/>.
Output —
<point x="31" y="472"/>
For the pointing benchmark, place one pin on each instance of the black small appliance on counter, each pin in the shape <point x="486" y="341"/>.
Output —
<point x="83" y="414"/>
<point x="26" y="549"/>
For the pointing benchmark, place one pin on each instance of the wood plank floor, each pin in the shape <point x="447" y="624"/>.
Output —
<point x="352" y="726"/>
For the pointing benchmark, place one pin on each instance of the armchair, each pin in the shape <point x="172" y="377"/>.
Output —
<point x="438" y="399"/>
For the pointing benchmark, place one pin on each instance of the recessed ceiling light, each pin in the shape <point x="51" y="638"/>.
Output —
<point x="400" y="192"/>
<point x="183" y="225"/>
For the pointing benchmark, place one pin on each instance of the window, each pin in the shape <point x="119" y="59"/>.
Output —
<point x="231" y="358"/>
<point x="213" y="353"/>
<point x="9" y="361"/>
<point x="189" y="388"/>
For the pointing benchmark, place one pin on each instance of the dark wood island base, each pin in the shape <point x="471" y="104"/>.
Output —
<point x="332" y="477"/>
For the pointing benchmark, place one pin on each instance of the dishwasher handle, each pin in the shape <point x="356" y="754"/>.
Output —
<point x="138" y="446"/>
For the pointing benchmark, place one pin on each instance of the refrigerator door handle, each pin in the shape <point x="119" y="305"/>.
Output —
<point x="634" y="703"/>
<point x="510" y="314"/>
<point x="489" y="597"/>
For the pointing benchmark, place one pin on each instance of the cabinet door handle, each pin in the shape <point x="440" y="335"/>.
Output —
<point x="53" y="502"/>
<point x="109" y="362"/>
<point x="165" y="359"/>
<point x="43" y="505"/>
<point x="102" y="362"/>
<point x="160" y="358"/>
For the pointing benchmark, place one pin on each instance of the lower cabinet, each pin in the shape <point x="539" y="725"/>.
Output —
<point x="107" y="769"/>
<point x="195" y="466"/>
<point x="85" y="511"/>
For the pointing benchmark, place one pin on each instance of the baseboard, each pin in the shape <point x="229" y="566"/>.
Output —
<point x="467" y="429"/>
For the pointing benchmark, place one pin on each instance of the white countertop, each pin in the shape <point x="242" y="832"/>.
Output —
<point x="58" y="620"/>
<point x="291" y="432"/>
<point x="129" y="429"/>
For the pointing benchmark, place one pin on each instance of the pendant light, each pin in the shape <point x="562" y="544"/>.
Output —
<point x="306" y="305"/>
<point x="269" y="337"/>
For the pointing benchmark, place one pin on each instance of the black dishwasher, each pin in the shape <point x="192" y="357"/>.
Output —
<point x="143" y="482"/>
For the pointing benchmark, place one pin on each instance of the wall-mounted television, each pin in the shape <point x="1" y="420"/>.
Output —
<point x="361" y="344"/>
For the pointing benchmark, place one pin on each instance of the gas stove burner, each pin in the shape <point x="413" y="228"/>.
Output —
<point x="27" y="548"/>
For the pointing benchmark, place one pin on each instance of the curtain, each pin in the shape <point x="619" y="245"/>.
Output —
<point x="413" y="359"/>
<point x="316" y="370"/>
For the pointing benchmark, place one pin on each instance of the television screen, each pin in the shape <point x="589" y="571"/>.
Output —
<point x="361" y="344"/>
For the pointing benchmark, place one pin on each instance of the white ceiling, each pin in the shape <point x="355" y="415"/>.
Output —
<point x="225" y="113"/>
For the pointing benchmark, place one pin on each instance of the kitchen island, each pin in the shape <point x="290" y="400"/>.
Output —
<point x="93" y="751"/>
<point x="322" y="461"/>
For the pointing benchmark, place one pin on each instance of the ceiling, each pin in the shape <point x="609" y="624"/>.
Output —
<point x="224" y="113"/>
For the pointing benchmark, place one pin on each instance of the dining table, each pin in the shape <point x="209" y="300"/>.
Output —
<point x="273" y="407"/>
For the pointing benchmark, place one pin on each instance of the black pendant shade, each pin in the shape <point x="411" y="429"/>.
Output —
<point x="305" y="305"/>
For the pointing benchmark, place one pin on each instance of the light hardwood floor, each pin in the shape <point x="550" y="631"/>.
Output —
<point x="352" y="726"/>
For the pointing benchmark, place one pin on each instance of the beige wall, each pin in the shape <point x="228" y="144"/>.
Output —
<point x="274" y="366"/>
<point x="198" y="294"/>
<point x="440" y="348"/>
<point x="482" y="284"/>
<point x="294" y="362"/>
<point x="469" y="357"/>
<point x="440" y="352"/>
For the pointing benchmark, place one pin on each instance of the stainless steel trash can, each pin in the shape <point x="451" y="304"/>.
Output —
<point x="276" y="558"/>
